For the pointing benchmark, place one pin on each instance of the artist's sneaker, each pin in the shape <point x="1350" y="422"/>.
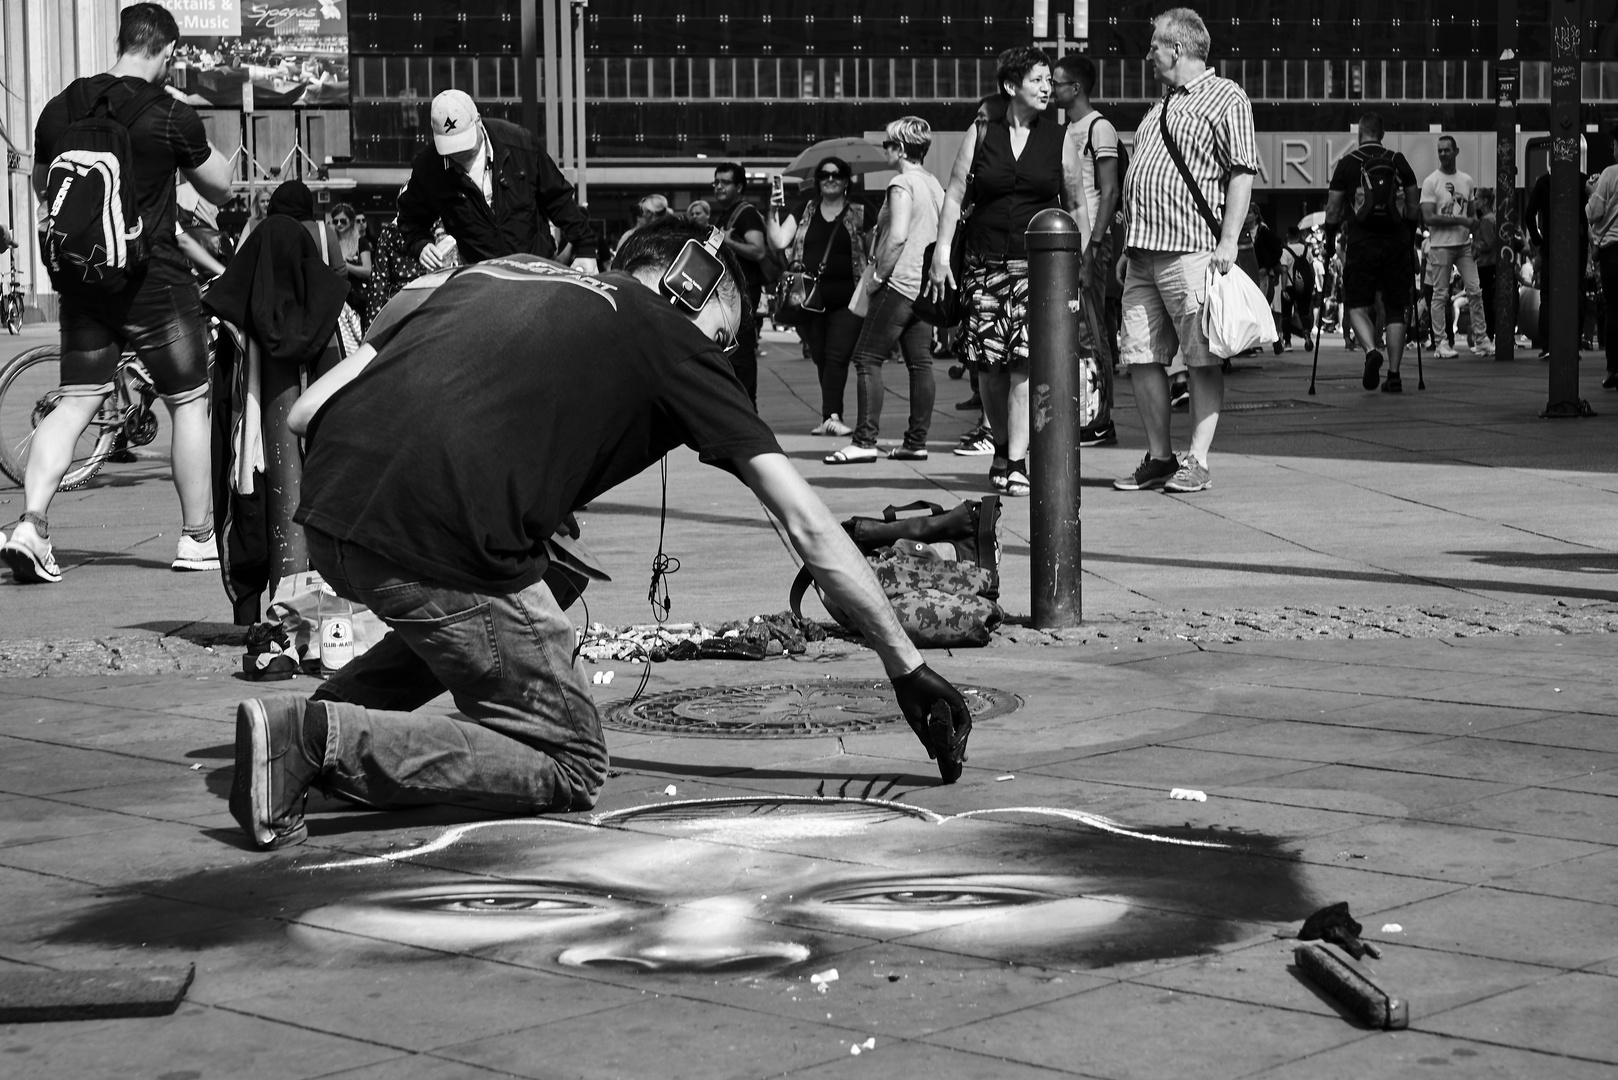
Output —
<point x="1192" y="476"/>
<point x="1105" y="435"/>
<point x="273" y="771"/>
<point x="192" y="554"/>
<point x="1446" y="352"/>
<point x="1150" y="473"/>
<point x="29" y="556"/>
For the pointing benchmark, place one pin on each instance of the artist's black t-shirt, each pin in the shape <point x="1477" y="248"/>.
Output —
<point x="1346" y="179"/>
<point x="167" y="136"/>
<point x="514" y="393"/>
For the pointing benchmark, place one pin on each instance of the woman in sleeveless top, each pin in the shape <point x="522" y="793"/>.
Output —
<point x="826" y="234"/>
<point x="907" y="224"/>
<point x="1016" y="168"/>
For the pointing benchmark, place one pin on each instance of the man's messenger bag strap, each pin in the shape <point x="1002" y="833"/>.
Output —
<point x="1179" y="162"/>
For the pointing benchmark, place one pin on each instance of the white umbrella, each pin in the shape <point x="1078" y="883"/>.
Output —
<point x="1316" y="220"/>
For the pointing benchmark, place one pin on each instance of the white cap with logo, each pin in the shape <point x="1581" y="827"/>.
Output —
<point x="455" y="122"/>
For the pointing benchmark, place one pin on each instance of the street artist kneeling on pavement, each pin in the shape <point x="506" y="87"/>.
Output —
<point x="440" y="458"/>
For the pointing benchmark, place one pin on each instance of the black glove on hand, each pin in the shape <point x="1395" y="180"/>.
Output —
<point x="937" y="713"/>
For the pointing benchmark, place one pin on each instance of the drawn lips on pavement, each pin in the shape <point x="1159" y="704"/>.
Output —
<point x="752" y="885"/>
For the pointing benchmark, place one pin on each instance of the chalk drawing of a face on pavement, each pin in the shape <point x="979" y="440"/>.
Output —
<point x="766" y="884"/>
<point x="753" y="887"/>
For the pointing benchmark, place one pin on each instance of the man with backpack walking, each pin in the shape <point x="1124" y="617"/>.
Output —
<point x="105" y="153"/>
<point x="1373" y="198"/>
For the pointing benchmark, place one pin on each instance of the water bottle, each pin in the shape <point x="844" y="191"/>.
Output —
<point x="336" y="631"/>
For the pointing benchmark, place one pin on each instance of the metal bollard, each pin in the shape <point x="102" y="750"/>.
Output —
<point x="283" y="470"/>
<point x="1055" y="387"/>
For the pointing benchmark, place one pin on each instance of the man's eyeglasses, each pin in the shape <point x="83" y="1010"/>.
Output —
<point x="724" y="183"/>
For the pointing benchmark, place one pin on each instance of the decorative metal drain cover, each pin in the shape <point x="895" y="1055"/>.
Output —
<point x="786" y="710"/>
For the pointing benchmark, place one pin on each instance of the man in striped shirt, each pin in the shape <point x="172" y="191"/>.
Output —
<point x="1175" y="234"/>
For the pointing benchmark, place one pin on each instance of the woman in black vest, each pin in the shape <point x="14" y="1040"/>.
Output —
<point x="1016" y="172"/>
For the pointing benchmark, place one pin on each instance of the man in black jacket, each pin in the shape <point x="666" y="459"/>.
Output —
<point x="495" y="189"/>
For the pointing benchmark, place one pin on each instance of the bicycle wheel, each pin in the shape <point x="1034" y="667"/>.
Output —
<point x="13" y="313"/>
<point x="30" y="387"/>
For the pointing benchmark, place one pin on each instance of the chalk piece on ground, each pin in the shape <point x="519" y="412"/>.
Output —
<point x="1352" y="989"/>
<point x="34" y="995"/>
<point x="823" y="979"/>
<point x="607" y="677"/>
<point x="1008" y="776"/>
<point x="855" y="1049"/>
<point x="1190" y="794"/>
<point x="870" y="1044"/>
<point x="669" y="790"/>
<point x="1392" y="928"/>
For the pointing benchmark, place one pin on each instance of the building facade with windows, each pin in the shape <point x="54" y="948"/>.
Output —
<point x="674" y="85"/>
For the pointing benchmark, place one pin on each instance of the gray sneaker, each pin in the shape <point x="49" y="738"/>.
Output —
<point x="1150" y="473"/>
<point x="1193" y="476"/>
<point x="273" y="772"/>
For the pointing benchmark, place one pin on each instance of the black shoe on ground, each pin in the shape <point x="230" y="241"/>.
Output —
<point x="1150" y="473"/>
<point x="1105" y="435"/>
<point x="1393" y="384"/>
<point x="273" y="771"/>
<point x="1180" y="396"/>
<point x="1373" y="366"/>
<point x="971" y="403"/>
<point x="1610" y="382"/>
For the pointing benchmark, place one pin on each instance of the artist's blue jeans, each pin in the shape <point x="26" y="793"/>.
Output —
<point x="891" y="320"/>
<point x="531" y="740"/>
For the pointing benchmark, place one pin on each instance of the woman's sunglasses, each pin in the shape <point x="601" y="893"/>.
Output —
<point x="823" y="177"/>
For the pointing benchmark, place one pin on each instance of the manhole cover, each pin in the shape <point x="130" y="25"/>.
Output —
<point x="786" y="710"/>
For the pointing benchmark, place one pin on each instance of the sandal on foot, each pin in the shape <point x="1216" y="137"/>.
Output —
<point x="852" y="455"/>
<point x="997" y="473"/>
<point x="906" y="453"/>
<point x="1017" y="479"/>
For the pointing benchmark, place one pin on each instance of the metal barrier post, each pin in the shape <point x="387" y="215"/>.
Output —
<point x="1055" y="387"/>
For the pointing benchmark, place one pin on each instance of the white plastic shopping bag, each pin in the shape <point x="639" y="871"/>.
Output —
<point x="1235" y="316"/>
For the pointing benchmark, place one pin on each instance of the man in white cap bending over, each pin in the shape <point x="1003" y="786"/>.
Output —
<point x="495" y="189"/>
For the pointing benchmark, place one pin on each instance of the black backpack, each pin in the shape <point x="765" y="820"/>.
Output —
<point x="93" y="234"/>
<point x="1301" y="278"/>
<point x="1123" y="155"/>
<point x="1381" y="197"/>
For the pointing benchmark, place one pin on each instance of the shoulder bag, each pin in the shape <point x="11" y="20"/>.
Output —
<point x="798" y="293"/>
<point x="946" y="310"/>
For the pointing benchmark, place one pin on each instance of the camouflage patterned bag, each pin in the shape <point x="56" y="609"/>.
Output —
<point x="940" y="603"/>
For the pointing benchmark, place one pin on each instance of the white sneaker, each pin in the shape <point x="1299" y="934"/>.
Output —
<point x="1483" y="348"/>
<point x="832" y="425"/>
<point x="192" y="554"/>
<point x="1446" y="352"/>
<point x="29" y="556"/>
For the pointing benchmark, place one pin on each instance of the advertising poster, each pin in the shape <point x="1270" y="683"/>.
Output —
<point x="291" y="52"/>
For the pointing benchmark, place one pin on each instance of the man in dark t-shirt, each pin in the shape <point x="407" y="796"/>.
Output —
<point x="743" y="227"/>
<point x="1377" y="244"/>
<point x="443" y="457"/>
<point x="157" y="314"/>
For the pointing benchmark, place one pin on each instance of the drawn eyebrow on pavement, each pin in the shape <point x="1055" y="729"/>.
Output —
<point x="461" y="832"/>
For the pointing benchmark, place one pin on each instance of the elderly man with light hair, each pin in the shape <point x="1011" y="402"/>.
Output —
<point x="1186" y="198"/>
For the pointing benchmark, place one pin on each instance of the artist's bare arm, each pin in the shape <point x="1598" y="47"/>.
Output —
<point x="831" y="557"/>
<point x="321" y="390"/>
